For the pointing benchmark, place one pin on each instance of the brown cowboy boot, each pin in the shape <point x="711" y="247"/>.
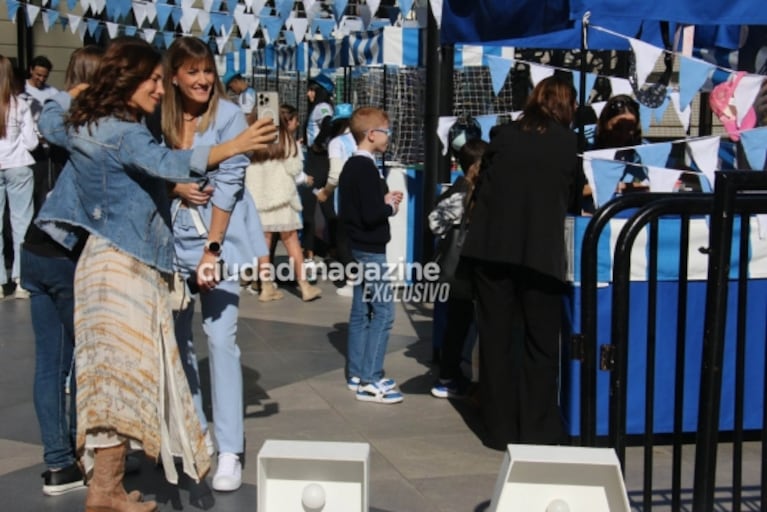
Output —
<point x="105" y="489"/>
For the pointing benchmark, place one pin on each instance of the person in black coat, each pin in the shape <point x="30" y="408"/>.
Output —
<point x="516" y="248"/>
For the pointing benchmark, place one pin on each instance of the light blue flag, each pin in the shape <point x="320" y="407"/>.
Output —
<point x="405" y="6"/>
<point x="175" y="14"/>
<point x="325" y="26"/>
<point x="93" y="27"/>
<point x="486" y="123"/>
<point x="283" y="8"/>
<point x="499" y="70"/>
<point x="53" y="16"/>
<point x="659" y="111"/>
<point x="755" y="147"/>
<point x="163" y="13"/>
<point x="339" y="6"/>
<point x="655" y="155"/>
<point x="693" y="73"/>
<point x="590" y="79"/>
<point x="645" y="115"/>
<point x="130" y="30"/>
<point x="273" y="25"/>
<point x="607" y="173"/>
<point x="70" y="5"/>
<point x="168" y="38"/>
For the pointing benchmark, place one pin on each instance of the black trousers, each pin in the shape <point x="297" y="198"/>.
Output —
<point x="519" y="318"/>
<point x="460" y="315"/>
<point x="317" y="166"/>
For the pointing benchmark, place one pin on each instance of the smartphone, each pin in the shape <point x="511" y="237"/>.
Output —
<point x="268" y="105"/>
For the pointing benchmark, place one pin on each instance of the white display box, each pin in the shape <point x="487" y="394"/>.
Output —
<point x="559" y="479"/>
<point x="293" y="473"/>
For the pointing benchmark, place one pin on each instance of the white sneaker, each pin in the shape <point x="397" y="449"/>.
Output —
<point x="228" y="475"/>
<point x="20" y="292"/>
<point x="346" y="290"/>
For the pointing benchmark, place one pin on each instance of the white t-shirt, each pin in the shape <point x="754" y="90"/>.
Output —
<point x="318" y="113"/>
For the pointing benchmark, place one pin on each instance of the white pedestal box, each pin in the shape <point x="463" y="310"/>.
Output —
<point x="559" y="479"/>
<point x="313" y="476"/>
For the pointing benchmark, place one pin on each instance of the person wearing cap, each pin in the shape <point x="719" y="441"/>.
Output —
<point x="317" y="131"/>
<point x="341" y="146"/>
<point x="246" y="95"/>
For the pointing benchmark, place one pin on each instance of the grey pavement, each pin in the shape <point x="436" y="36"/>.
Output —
<point x="426" y="454"/>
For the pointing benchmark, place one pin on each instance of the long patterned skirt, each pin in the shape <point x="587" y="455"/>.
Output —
<point x="131" y="384"/>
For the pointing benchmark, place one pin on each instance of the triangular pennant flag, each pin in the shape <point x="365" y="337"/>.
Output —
<point x="605" y="177"/>
<point x="93" y="27"/>
<point x="163" y="14"/>
<point x="704" y="152"/>
<point x="283" y="8"/>
<point x="130" y="30"/>
<point x="662" y="179"/>
<point x="175" y="14"/>
<point x="324" y="25"/>
<point x="487" y="122"/>
<point x="755" y="147"/>
<point x="230" y="5"/>
<point x="188" y="17"/>
<point x="683" y="115"/>
<point x="654" y="154"/>
<point x="242" y="19"/>
<point x="71" y="4"/>
<point x="591" y="78"/>
<point x="13" y="8"/>
<point x="620" y="86"/>
<point x="373" y="5"/>
<point x="339" y="6"/>
<point x="81" y="31"/>
<point x="74" y="22"/>
<point x="516" y="115"/>
<point x="499" y="71"/>
<point x="203" y="21"/>
<point x="151" y="12"/>
<point x="50" y="17"/>
<point x="645" y="115"/>
<point x="112" y="29"/>
<point x="405" y="6"/>
<point x="693" y="73"/>
<point x="139" y="12"/>
<point x="272" y="25"/>
<point x="222" y="23"/>
<point x="298" y="25"/>
<point x="64" y="22"/>
<point x="436" y="9"/>
<point x="538" y="73"/>
<point x="308" y="4"/>
<point x="443" y="130"/>
<point x="148" y="34"/>
<point x="32" y="12"/>
<point x="659" y="111"/>
<point x="290" y="37"/>
<point x="745" y="95"/>
<point x="645" y="56"/>
<point x="168" y="38"/>
<point x="97" y="6"/>
<point x="598" y="107"/>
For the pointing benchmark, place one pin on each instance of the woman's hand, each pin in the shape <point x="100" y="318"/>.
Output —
<point x="257" y="136"/>
<point x="191" y="193"/>
<point x="208" y="272"/>
<point x="77" y="89"/>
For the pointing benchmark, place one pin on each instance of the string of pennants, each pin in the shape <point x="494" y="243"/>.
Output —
<point x="257" y="25"/>
<point x="694" y="75"/>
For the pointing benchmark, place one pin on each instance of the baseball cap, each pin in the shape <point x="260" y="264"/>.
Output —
<point x="343" y="111"/>
<point x="229" y="76"/>
<point x="325" y="82"/>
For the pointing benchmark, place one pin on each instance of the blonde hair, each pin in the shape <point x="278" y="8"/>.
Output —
<point x="186" y="49"/>
<point x="286" y="145"/>
<point x="365" y="119"/>
<point x="7" y="92"/>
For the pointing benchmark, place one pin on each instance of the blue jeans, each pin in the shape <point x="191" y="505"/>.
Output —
<point x="17" y="183"/>
<point x="220" y="308"/>
<point x="371" y="318"/>
<point x="50" y="282"/>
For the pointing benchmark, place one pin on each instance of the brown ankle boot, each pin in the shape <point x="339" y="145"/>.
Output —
<point x="269" y="292"/>
<point x="105" y="489"/>
<point x="309" y="292"/>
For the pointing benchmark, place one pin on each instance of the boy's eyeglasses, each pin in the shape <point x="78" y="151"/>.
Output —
<point x="387" y="131"/>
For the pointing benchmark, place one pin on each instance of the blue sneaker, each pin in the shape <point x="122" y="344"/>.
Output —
<point x="450" y="388"/>
<point x="386" y="384"/>
<point x="373" y="393"/>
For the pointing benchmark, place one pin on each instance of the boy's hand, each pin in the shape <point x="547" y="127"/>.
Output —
<point x="393" y="199"/>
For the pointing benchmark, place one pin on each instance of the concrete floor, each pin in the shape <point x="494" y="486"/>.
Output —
<point x="426" y="454"/>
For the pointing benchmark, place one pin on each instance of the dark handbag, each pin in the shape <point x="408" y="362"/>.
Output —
<point x="452" y="270"/>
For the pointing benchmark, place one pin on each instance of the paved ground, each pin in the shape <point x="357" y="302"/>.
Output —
<point x="425" y="453"/>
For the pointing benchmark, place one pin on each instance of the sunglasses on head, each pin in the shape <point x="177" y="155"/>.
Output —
<point x="622" y="105"/>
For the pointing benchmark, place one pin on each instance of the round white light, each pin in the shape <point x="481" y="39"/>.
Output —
<point x="558" y="506"/>
<point x="313" y="497"/>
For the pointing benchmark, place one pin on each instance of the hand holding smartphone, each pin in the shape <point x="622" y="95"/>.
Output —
<point x="268" y="105"/>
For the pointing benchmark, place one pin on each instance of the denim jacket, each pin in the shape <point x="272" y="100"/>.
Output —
<point x="114" y="184"/>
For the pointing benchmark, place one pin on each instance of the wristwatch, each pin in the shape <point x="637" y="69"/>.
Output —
<point x="213" y="247"/>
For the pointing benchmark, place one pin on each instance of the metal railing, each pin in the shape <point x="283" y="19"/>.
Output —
<point x="728" y="202"/>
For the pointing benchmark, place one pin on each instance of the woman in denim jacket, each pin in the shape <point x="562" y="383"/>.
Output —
<point x="131" y="384"/>
<point x="227" y="227"/>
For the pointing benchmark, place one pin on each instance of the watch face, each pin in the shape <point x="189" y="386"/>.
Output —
<point x="214" y="246"/>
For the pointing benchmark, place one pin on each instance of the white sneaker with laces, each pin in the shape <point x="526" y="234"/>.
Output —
<point x="228" y="475"/>
<point x="346" y="290"/>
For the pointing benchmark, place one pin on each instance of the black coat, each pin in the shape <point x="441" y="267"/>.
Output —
<point x="529" y="182"/>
